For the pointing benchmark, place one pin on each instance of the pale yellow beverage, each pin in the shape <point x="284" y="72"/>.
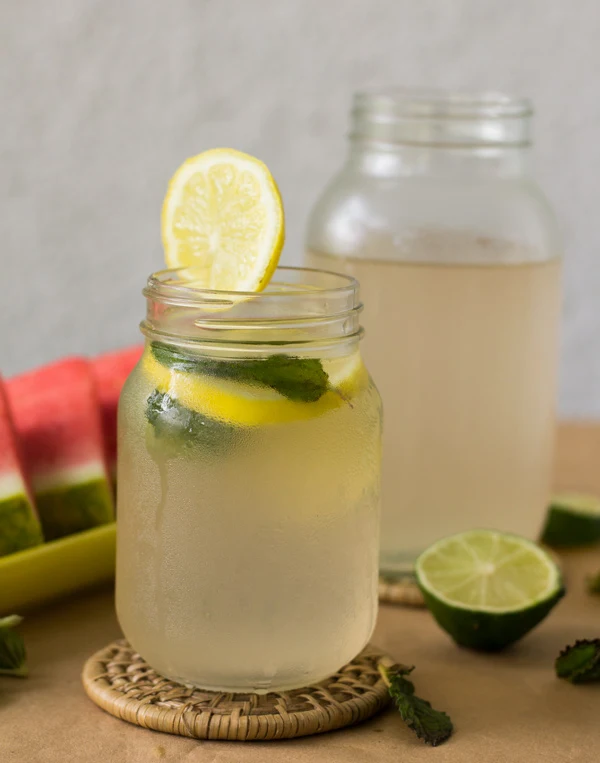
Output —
<point x="464" y="356"/>
<point x="248" y="488"/>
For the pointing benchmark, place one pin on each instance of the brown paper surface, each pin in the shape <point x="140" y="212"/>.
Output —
<point x="507" y="708"/>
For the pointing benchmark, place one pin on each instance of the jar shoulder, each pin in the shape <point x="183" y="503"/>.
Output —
<point x="355" y="211"/>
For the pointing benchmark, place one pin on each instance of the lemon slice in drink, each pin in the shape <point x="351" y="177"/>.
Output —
<point x="488" y="589"/>
<point x="252" y="405"/>
<point x="573" y="519"/>
<point x="223" y="218"/>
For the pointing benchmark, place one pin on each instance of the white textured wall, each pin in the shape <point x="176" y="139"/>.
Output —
<point x="102" y="99"/>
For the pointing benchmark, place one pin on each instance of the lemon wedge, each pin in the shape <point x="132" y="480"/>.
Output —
<point x="250" y="405"/>
<point x="223" y="217"/>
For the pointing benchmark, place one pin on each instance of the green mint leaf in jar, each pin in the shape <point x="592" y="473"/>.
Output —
<point x="170" y="420"/>
<point x="300" y="379"/>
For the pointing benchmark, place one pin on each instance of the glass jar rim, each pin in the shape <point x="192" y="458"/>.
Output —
<point x="438" y="118"/>
<point x="437" y="103"/>
<point x="175" y="286"/>
<point x="303" y="307"/>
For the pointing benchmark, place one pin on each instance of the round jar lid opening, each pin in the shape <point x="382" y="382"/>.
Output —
<point x="438" y="117"/>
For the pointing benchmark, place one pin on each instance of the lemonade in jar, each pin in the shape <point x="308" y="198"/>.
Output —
<point x="436" y="212"/>
<point x="249" y="456"/>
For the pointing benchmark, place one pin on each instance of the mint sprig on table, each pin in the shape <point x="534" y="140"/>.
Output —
<point x="303" y="380"/>
<point x="580" y="662"/>
<point x="13" y="659"/>
<point x="432" y="726"/>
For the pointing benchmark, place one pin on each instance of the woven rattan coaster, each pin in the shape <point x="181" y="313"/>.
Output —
<point x="400" y="588"/>
<point x="119" y="681"/>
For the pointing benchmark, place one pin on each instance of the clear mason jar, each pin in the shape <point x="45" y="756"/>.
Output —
<point x="248" y="484"/>
<point x="457" y="252"/>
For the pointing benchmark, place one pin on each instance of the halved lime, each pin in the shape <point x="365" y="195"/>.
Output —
<point x="573" y="519"/>
<point x="488" y="589"/>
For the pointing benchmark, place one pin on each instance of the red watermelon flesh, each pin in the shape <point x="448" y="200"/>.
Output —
<point x="19" y="523"/>
<point x="110" y="371"/>
<point x="57" y="418"/>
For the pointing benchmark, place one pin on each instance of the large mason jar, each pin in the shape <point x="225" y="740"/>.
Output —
<point x="436" y="213"/>
<point x="248" y="484"/>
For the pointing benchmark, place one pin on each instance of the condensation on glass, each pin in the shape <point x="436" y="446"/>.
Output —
<point x="248" y="484"/>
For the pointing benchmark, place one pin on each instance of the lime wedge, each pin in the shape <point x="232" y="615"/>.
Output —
<point x="488" y="589"/>
<point x="572" y="520"/>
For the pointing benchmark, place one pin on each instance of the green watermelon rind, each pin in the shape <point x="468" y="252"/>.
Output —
<point x="19" y="526"/>
<point x="68" y="509"/>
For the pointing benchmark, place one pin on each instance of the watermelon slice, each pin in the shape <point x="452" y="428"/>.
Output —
<point x="19" y="523"/>
<point x="57" y="418"/>
<point x="110" y="371"/>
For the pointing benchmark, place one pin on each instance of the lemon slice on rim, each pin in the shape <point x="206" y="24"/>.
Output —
<point x="223" y="217"/>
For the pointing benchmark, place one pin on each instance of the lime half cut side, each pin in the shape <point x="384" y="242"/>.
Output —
<point x="488" y="589"/>
<point x="573" y="519"/>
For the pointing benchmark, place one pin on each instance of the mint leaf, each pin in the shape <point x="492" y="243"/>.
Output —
<point x="300" y="379"/>
<point x="172" y="421"/>
<point x="432" y="726"/>
<point x="396" y="674"/>
<point x="173" y="358"/>
<point x="12" y="648"/>
<point x="579" y="663"/>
